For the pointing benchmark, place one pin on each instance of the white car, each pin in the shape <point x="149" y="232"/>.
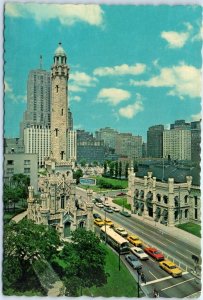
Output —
<point x="100" y="205"/>
<point x="106" y="204"/>
<point x="137" y="251"/>
<point x="121" y="231"/>
<point x="114" y="208"/>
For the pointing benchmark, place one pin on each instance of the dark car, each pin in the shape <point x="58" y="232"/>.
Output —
<point x="98" y="200"/>
<point x="96" y="216"/>
<point x="107" y="209"/>
<point x="125" y="213"/>
<point x="133" y="261"/>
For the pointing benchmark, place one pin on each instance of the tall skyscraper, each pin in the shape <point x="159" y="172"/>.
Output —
<point x="59" y="105"/>
<point x="155" y="141"/>
<point x="195" y="141"/>
<point x="38" y="100"/>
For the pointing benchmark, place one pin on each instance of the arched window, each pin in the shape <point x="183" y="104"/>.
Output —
<point x="136" y="193"/>
<point x="186" y="213"/>
<point x="176" y="201"/>
<point x="186" y="199"/>
<point x="158" y="196"/>
<point x="165" y="198"/>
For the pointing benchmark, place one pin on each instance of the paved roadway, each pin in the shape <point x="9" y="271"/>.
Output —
<point x="172" y="248"/>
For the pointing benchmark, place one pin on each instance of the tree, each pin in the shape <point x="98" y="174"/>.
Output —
<point x="77" y="174"/>
<point x="126" y="170"/>
<point x="116" y="169"/>
<point x="135" y="166"/>
<point x="105" y="167"/>
<point x="23" y="243"/>
<point x="120" y="169"/>
<point x="95" y="163"/>
<point x="81" y="263"/>
<point x="83" y="163"/>
<point x="111" y="167"/>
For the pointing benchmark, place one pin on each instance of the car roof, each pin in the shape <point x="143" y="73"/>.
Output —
<point x="99" y="220"/>
<point x="134" y="236"/>
<point x="151" y="248"/>
<point x="136" y="248"/>
<point x="169" y="263"/>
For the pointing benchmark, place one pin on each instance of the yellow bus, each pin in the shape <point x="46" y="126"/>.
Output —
<point x="116" y="241"/>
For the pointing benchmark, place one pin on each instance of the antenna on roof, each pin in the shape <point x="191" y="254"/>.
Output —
<point x="40" y="62"/>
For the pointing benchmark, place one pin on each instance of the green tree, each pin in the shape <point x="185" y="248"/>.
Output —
<point x="135" y="166"/>
<point x="120" y="169"/>
<point x="77" y="174"/>
<point x="111" y="167"/>
<point x="23" y="243"/>
<point x="81" y="263"/>
<point x="83" y="163"/>
<point x="126" y="170"/>
<point x="105" y="167"/>
<point x="116" y="169"/>
<point x="95" y="163"/>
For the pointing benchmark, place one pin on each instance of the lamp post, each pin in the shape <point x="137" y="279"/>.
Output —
<point x="138" y="282"/>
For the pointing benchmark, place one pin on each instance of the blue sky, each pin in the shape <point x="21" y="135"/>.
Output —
<point x="131" y="67"/>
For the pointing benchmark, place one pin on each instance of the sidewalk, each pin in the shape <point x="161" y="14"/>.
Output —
<point x="20" y="216"/>
<point x="173" y="231"/>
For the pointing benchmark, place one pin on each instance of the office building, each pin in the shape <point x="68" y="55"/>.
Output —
<point x="108" y="135"/>
<point x="155" y="141"/>
<point x="177" y="144"/>
<point x="128" y="145"/>
<point x="72" y="145"/>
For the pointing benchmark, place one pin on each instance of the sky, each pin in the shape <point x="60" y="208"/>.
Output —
<point x="131" y="66"/>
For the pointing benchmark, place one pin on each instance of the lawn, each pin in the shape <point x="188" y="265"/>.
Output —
<point x="120" y="283"/>
<point x="191" y="227"/>
<point x="122" y="201"/>
<point x="104" y="184"/>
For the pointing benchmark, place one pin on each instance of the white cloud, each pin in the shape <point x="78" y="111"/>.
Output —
<point x="131" y="110"/>
<point x="79" y="81"/>
<point x="75" y="98"/>
<point x="183" y="80"/>
<point x="113" y="96"/>
<point x="196" y="117"/>
<point x="75" y="88"/>
<point x="7" y="87"/>
<point x="175" y="39"/>
<point x="83" y="79"/>
<point x="67" y="14"/>
<point x="8" y="90"/>
<point x="198" y="36"/>
<point x="120" y="70"/>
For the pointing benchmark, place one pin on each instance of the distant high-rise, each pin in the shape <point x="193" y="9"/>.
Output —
<point x="38" y="99"/>
<point x="155" y="141"/>
<point x="128" y="145"/>
<point x="70" y="120"/>
<point x="180" y="124"/>
<point x="108" y="135"/>
<point x="195" y="141"/>
<point x="177" y="144"/>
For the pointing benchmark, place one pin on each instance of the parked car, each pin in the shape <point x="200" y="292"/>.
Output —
<point x="121" y="231"/>
<point x="139" y="253"/>
<point x="125" y="213"/>
<point x="154" y="252"/>
<point x="99" y="222"/>
<point x="96" y="216"/>
<point x="133" y="261"/>
<point x="106" y="204"/>
<point x="121" y="194"/>
<point x="134" y="239"/>
<point x="114" y="208"/>
<point x="99" y="200"/>
<point x="100" y="205"/>
<point x="108" y="209"/>
<point x="171" y="268"/>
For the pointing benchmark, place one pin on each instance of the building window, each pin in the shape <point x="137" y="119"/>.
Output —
<point x="195" y="197"/>
<point x="165" y="198"/>
<point x="26" y="170"/>
<point x="62" y="112"/>
<point x="158" y="196"/>
<point x="56" y="131"/>
<point x="10" y="162"/>
<point x="196" y="215"/>
<point x="186" y="198"/>
<point x="26" y="162"/>
<point x="10" y="171"/>
<point x="186" y="213"/>
<point x="57" y="88"/>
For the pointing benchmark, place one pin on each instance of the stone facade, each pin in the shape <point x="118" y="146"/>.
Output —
<point x="57" y="204"/>
<point x="166" y="202"/>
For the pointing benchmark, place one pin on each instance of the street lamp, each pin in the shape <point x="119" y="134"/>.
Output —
<point x="138" y="282"/>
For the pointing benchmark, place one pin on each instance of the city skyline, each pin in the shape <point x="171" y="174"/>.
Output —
<point x="121" y="78"/>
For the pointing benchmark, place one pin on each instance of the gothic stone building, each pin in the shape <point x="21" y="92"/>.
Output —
<point x="57" y="204"/>
<point x="169" y="203"/>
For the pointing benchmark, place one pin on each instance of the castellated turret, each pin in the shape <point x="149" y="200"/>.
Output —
<point x="59" y="105"/>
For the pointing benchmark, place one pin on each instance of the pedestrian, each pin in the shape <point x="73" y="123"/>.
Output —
<point x="143" y="277"/>
<point x="156" y="293"/>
